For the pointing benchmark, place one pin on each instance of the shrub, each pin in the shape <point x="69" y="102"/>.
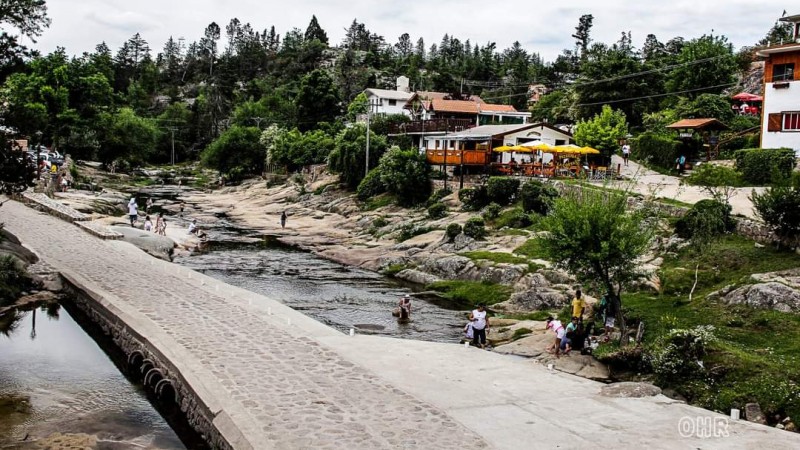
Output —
<point x="537" y="197"/>
<point x="410" y="230"/>
<point x="438" y="195"/>
<point x="514" y="218"/>
<point x="380" y="222"/>
<point x="473" y="199"/>
<point x="452" y="231"/>
<point x="437" y="211"/>
<point x="491" y="211"/>
<point x="13" y="280"/>
<point x="502" y="190"/>
<point x="706" y="218"/>
<point x="656" y="149"/>
<point x="370" y="186"/>
<point x="763" y="165"/>
<point x="406" y="174"/>
<point x="779" y="207"/>
<point x="475" y="228"/>
<point x="678" y="355"/>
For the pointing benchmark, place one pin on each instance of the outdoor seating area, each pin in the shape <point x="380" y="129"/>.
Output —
<point x="567" y="161"/>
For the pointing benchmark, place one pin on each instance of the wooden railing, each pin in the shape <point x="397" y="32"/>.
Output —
<point x="432" y="126"/>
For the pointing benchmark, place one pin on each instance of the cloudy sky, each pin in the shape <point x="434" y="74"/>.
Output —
<point x="541" y="26"/>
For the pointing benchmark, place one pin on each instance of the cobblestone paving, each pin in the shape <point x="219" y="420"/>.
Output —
<point x="54" y="207"/>
<point x="302" y="394"/>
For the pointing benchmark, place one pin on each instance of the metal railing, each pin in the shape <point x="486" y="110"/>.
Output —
<point x="432" y="126"/>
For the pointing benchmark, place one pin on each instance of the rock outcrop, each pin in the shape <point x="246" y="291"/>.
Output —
<point x="770" y="295"/>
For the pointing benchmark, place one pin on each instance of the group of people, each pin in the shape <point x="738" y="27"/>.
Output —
<point x="575" y="335"/>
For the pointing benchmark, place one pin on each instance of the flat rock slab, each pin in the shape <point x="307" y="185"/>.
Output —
<point x="52" y="207"/>
<point x="630" y="390"/>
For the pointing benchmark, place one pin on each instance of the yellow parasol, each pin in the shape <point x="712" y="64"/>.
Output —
<point x="503" y="148"/>
<point x="539" y="145"/>
<point x="589" y="151"/>
<point x="522" y="149"/>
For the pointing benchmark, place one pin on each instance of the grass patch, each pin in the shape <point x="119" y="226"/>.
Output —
<point x="142" y="181"/>
<point x="532" y="248"/>
<point x="393" y="269"/>
<point x="520" y="333"/>
<point x="513" y="232"/>
<point x="472" y="292"/>
<point x="495" y="257"/>
<point x="535" y="315"/>
<point x="379" y="201"/>
<point x="410" y="230"/>
<point x="755" y="356"/>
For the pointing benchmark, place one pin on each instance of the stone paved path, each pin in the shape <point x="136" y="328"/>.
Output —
<point x="301" y="394"/>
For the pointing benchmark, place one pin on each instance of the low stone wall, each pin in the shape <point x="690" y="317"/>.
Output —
<point x="159" y="373"/>
<point x="43" y="203"/>
<point x="98" y="230"/>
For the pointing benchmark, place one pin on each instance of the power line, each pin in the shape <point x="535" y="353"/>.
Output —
<point x="655" y="95"/>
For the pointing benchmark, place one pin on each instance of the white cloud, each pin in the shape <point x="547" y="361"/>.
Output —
<point x="542" y="27"/>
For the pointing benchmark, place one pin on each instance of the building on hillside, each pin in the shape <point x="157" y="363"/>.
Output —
<point x="477" y="143"/>
<point x="388" y="102"/>
<point x="780" y="120"/>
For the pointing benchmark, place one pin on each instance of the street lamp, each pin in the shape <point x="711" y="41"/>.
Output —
<point x="38" y="157"/>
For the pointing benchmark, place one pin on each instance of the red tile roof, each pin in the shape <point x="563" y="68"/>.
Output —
<point x="488" y="107"/>
<point x="454" y="106"/>
<point x="698" y="124"/>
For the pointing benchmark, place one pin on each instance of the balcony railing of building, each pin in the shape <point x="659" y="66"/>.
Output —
<point x="432" y="126"/>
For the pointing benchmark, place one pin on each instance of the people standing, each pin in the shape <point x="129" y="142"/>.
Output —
<point x="626" y="153"/>
<point x="283" y="219"/>
<point x="182" y="206"/>
<point x="558" y="329"/>
<point x="578" y="305"/>
<point x="480" y="323"/>
<point x="133" y="211"/>
<point x="680" y="163"/>
<point x="162" y="228"/>
<point x="148" y="205"/>
<point x="148" y="225"/>
<point x="609" y="307"/>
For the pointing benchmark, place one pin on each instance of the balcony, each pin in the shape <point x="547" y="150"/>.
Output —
<point x="432" y="126"/>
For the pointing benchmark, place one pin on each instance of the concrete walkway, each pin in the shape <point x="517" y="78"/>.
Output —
<point x="648" y="182"/>
<point x="287" y="381"/>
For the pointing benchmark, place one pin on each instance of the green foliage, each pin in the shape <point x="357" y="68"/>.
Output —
<point x="317" y="100"/>
<point x="520" y="333"/>
<point x="406" y="174"/>
<point x="538" y="197"/>
<point x="656" y="149"/>
<point x="553" y="108"/>
<point x="380" y="222"/>
<point x="719" y="181"/>
<point x="437" y="211"/>
<point x="475" y="228"/>
<point x="127" y="137"/>
<point x="713" y="76"/>
<point x="603" y="131"/>
<point x="706" y="106"/>
<point x="779" y="207"/>
<point x="473" y="199"/>
<point x="409" y="230"/>
<point x="295" y="149"/>
<point x="438" y="196"/>
<point x="514" y="218"/>
<point x="762" y="166"/>
<point x="491" y="211"/>
<point x="13" y="280"/>
<point x="472" y="292"/>
<point x="452" y="231"/>
<point x="237" y="152"/>
<point x="532" y="248"/>
<point x="358" y="106"/>
<point x="496" y="257"/>
<point x="678" y="356"/>
<point x="349" y="154"/>
<point x="594" y="237"/>
<point x="17" y="173"/>
<point x="502" y="190"/>
<point x="705" y="220"/>
<point x="370" y="186"/>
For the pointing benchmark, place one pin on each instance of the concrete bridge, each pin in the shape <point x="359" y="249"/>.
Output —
<point x="251" y="373"/>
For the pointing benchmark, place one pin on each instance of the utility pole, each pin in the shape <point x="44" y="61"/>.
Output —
<point x="172" y="131"/>
<point x="446" y="145"/>
<point x="369" y="113"/>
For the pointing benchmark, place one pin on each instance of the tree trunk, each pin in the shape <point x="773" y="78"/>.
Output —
<point x="694" y="286"/>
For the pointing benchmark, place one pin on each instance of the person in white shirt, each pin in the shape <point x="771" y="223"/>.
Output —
<point x="559" y="331"/>
<point x="480" y="323"/>
<point x="626" y="153"/>
<point x="133" y="211"/>
<point x="148" y="225"/>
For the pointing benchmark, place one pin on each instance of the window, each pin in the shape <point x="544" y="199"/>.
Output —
<point x="392" y="102"/>
<point x="791" y="121"/>
<point x="782" y="72"/>
<point x="436" y="143"/>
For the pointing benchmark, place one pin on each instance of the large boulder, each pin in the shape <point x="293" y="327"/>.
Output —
<point x="415" y="276"/>
<point x="771" y="295"/>
<point x="449" y="267"/>
<point x="629" y="389"/>
<point x="534" y="300"/>
<point x="153" y="244"/>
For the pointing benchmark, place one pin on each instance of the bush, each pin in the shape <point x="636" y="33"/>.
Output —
<point x="677" y="356"/>
<point x="438" y="195"/>
<point x="452" y="231"/>
<point x="502" y="190"/>
<point x="370" y="186"/>
<point x="514" y="218"/>
<point x="763" y="165"/>
<point x="406" y="174"/>
<point x="13" y="280"/>
<point x="656" y="149"/>
<point x="779" y="207"/>
<point x="706" y="218"/>
<point x="437" y="211"/>
<point x="475" y="228"/>
<point x="491" y="211"/>
<point x="237" y="152"/>
<point x="410" y="230"/>
<point x="380" y="222"/>
<point x="473" y="199"/>
<point x="537" y="197"/>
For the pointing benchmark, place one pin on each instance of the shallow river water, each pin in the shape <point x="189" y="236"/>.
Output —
<point x="59" y="387"/>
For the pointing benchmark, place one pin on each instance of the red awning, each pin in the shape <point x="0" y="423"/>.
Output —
<point x="745" y="97"/>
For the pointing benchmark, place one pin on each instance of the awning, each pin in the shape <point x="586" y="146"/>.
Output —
<point x="747" y="97"/>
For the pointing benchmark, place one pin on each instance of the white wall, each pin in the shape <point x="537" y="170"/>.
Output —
<point x="776" y="101"/>
<point x="385" y="108"/>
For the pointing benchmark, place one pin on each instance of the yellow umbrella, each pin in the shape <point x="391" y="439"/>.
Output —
<point x="569" y="148"/>
<point x="590" y="151"/>
<point x="504" y="148"/>
<point x="522" y="149"/>
<point x="538" y="145"/>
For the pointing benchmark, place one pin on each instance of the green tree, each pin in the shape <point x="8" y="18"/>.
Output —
<point x="706" y="65"/>
<point x="596" y="238"/>
<point x="359" y="105"/>
<point x="317" y="100"/>
<point x="406" y="174"/>
<point x="17" y="172"/>
<point x="314" y="31"/>
<point x="127" y="137"/>
<point x="29" y="18"/>
<point x="349" y="154"/>
<point x="779" y="207"/>
<point x="603" y="131"/>
<point x="294" y="149"/>
<point x="553" y="107"/>
<point x="705" y="106"/>
<point x="237" y="152"/>
<point x="780" y="33"/>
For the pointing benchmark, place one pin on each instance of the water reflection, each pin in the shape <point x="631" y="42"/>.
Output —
<point x="55" y="379"/>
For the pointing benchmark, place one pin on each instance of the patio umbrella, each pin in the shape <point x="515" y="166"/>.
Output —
<point x="538" y="145"/>
<point x="589" y="151"/>
<point x="522" y="149"/>
<point x="747" y="97"/>
<point x="504" y="148"/>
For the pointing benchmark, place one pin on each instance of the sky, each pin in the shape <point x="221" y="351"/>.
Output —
<point x="543" y="27"/>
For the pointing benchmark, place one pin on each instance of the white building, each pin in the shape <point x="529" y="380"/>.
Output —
<point x="780" y="121"/>
<point x="387" y="102"/>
